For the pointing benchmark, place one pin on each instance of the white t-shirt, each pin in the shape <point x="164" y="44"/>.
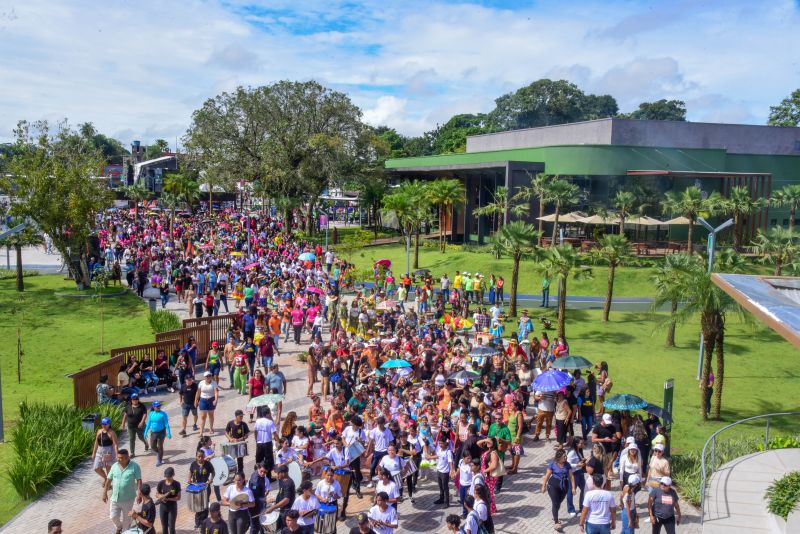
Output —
<point x="390" y="488"/>
<point x="328" y="492"/>
<point x="600" y="502"/>
<point x="393" y="465"/>
<point x="471" y="523"/>
<point x="265" y="428"/>
<point x="477" y="480"/>
<point x="338" y="458"/>
<point x="464" y="473"/>
<point x="382" y="438"/>
<point x="389" y="516"/>
<point x="350" y="435"/>
<point x="482" y="509"/>
<point x="285" y="456"/>
<point x="231" y="492"/>
<point x="302" y="505"/>
<point x="207" y="390"/>
<point x="444" y="459"/>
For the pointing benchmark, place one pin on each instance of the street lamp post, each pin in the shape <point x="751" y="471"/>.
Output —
<point x="712" y="246"/>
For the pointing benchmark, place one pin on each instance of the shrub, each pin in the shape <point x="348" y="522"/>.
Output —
<point x="302" y="357"/>
<point x="48" y="442"/>
<point x="164" y="321"/>
<point x="783" y="494"/>
<point x="6" y="274"/>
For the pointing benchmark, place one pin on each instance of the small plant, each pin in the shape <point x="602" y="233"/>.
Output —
<point x="783" y="494"/>
<point x="302" y="357"/>
<point x="164" y="321"/>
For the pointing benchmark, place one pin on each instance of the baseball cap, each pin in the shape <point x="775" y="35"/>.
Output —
<point x="134" y="396"/>
<point x="629" y="440"/>
<point x="362" y="518"/>
<point x="214" y="344"/>
<point x="634" y="479"/>
<point x="658" y="447"/>
<point x="207" y="373"/>
<point x="666" y="481"/>
<point x="105" y="421"/>
<point x="238" y="413"/>
<point x="156" y="404"/>
<point x="607" y="418"/>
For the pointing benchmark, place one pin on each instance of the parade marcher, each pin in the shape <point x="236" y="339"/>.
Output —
<point x="599" y="509"/>
<point x="239" y="499"/>
<point x="266" y="435"/>
<point x="214" y="524"/>
<point x="158" y="428"/>
<point x="237" y="431"/>
<point x="187" y="394"/>
<point x="168" y="493"/>
<point x="201" y="472"/>
<point x="259" y="487"/>
<point x="206" y="401"/>
<point x="144" y="513"/>
<point x="307" y="507"/>
<point x="445" y="470"/>
<point x="285" y="496"/>
<point x="382" y="517"/>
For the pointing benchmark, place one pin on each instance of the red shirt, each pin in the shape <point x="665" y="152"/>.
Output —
<point x="256" y="387"/>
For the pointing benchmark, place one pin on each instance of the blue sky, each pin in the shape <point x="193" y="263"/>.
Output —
<point x="138" y="70"/>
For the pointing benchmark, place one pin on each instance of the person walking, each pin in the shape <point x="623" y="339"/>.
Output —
<point x="266" y="435"/>
<point x="168" y="493"/>
<point x="206" y="401"/>
<point x="105" y="448"/>
<point x="545" y="291"/>
<point x="627" y="505"/>
<point x="663" y="507"/>
<point x="557" y="480"/>
<point x="124" y="480"/>
<point x="158" y="428"/>
<point x="599" y="510"/>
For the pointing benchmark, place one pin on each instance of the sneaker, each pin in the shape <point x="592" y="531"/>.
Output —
<point x="133" y="455"/>
<point x="369" y="485"/>
<point x="194" y="427"/>
<point x="171" y="389"/>
<point x="413" y="500"/>
<point x="438" y="501"/>
<point x="158" y="463"/>
<point x="146" y="447"/>
<point x="572" y="514"/>
<point x="182" y="433"/>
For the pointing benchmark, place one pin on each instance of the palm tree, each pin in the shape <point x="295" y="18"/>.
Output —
<point x="540" y="184"/>
<point x="668" y="288"/>
<point x="690" y="204"/>
<point x="211" y="178"/>
<point x="183" y="186"/>
<point x="562" y="261"/>
<point x="444" y="194"/>
<point x="788" y="197"/>
<point x="624" y="202"/>
<point x="136" y="192"/>
<point x="416" y="191"/>
<point x="262" y="190"/>
<point x="170" y="201"/>
<point x="777" y="245"/>
<point x="613" y="249"/>
<point x="28" y="237"/>
<point x="560" y="193"/>
<point x="371" y="193"/>
<point x="400" y="204"/>
<point x="518" y="239"/>
<point x="739" y="203"/>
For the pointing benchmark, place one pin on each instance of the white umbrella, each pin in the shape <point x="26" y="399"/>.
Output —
<point x="679" y="220"/>
<point x="645" y="221"/>
<point x="598" y="219"/>
<point x="571" y="217"/>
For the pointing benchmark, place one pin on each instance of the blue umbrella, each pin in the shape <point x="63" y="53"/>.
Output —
<point x="307" y="256"/>
<point x="625" y="401"/>
<point x="551" y="381"/>
<point x="395" y="364"/>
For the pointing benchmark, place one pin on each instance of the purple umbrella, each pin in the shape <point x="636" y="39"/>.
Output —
<point x="551" y="381"/>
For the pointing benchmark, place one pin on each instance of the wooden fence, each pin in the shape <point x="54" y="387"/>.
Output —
<point x="199" y="332"/>
<point x="218" y="326"/>
<point x="85" y="381"/>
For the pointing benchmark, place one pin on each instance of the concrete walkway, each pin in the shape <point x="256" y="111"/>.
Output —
<point x="735" y="496"/>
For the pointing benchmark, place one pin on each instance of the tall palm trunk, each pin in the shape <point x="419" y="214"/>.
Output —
<point x="719" y="375"/>
<point x="562" y="304"/>
<point x="791" y="219"/>
<point x="778" y="266"/>
<point x="708" y="325"/>
<point x="671" y="326"/>
<point x="416" y="247"/>
<point x="441" y="228"/>
<point x="20" y="282"/>
<point x="514" y="282"/>
<point x="555" y="226"/>
<point x="689" y="238"/>
<point x="609" y="291"/>
<point x="621" y="224"/>
<point x="541" y="222"/>
<point x="737" y="230"/>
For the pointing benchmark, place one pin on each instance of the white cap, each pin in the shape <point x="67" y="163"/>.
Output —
<point x="634" y="479"/>
<point x="207" y="373"/>
<point x="666" y="481"/>
<point x="658" y="447"/>
<point x="607" y="418"/>
<point x="630" y="440"/>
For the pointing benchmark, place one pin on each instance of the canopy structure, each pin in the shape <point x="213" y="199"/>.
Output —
<point x="645" y="221"/>
<point x="679" y="221"/>
<point x="599" y="219"/>
<point x="571" y="217"/>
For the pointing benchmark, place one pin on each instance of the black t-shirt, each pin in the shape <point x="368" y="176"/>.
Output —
<point x="356" y="530"/>
<point x="202" y="474"/>
<point x="237" y="431"/>
<point x="188" y="393"/>
<point x="135" y="414"/>
<point x="596" y="465"/>
<point x="210" y="527"/>
<point x="602" y="432"/>
<point x="169" y="490"/>
<point x="146" y="365"/>
<point x="148" y="513"/>
<point x="664" y="502"/>
<point x="286" y="489"/>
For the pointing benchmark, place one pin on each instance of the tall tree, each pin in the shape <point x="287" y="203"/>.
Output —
<point x="691" y="204"/>
<point x="170" y="201"/>
<point x="402" y="206"/>
<point x="52" y="182"/>
<point x="451" y="137"/>
<point x="261" y="191"/>
<point x="660" y="110"/>
<point x="444" y="194"/>
<point x="156" y="149"/>
<point x="787" y="113"/>
<point x="777" y="245"/>
<point x="28" y="237"/>
<point x="624" y="202"/>
<point x="111" y="149"/>
<point x="137" y="193"/>
<point x="613" y="250"/>
<point x="740" y="204"/>
<point x="184" y="187"/>
<point x="518" y="240"/>
<point x="538" y="188"/>
<point x="599" y="107"/>
<point x="563" y="262"/>
<point x="561" y="193"/>
<point x="500" y="205"/>
<point x="668" y="289"/>
<point x="370" y="195"/>
<point x="788" y="197"/>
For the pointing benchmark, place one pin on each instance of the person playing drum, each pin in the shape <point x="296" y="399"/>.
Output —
<point x="329" y="491"/>
<point x="239" y="499"/>
<point x="387" y="485"/>
<point x="351" y="435"/>
<point x="285" y="454"/>
<point x="237" y="431"/>
<point x="394" y="464"/>
<point x="201" y="472"/>
<point x="382" y="517"/>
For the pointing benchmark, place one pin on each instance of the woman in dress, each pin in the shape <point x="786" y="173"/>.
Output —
<point x="492" y="469"/>
<point x="104" y="452"/>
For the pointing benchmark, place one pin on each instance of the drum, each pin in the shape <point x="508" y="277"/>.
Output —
<point x="325" y="523"/>
<point x="355" y="450"/>
<point x="198" y="497"/>
<point x="235" y="450"/>
<point x="269" y="521"/>
<point x="343" y="477"/>
<point x="133" y="530"/>
<point x="409" y="469"/>
<point x="224" y="470"/>
<point x="295" y="473"/>
<point x="398" y="479"/>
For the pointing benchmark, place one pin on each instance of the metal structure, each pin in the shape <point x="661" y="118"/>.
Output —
<point x="712" y="441"/>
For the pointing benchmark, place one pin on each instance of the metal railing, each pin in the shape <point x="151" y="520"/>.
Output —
<point x="713" y="442"/>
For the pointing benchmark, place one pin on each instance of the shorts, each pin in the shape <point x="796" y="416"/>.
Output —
<point x="188" y="408"/>
<point x="104" y="457"/>
<point x="214" y="369"/>
<point x="517" y="450"/>
<point x="206" y="405"/>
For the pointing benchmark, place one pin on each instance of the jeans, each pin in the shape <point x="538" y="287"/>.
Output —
<point x="668" y="524"/>
<point x="491" y="295"/>
<point x="164" y="299"/>
<point x="168" y="513"/>
<point x="545" y="297"/>
<point x="446" y="295"/>
<point x="285" y="331"/>
<point x="462" y="494"/>
<point x="150" y="379"/>
<point x="298" y="329"/>
<point x="133" y="433"/>
<point x="580" y="484"/>
<point x="223" y="301"/>
<point x="591" y="528"/>
<point x="626" y="529"/>
<point x="266" y="362"/>
<point x="587" y="423"/>
<point x="251" y="362"/>
<point x="376" y="459"/>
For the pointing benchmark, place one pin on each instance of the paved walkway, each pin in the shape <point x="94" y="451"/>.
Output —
<point x="735" y="496"/>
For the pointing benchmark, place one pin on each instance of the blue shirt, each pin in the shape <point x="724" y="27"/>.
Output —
<point x="156" y="422"/>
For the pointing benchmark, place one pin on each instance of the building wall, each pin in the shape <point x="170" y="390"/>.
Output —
<point x="597" y="132"/>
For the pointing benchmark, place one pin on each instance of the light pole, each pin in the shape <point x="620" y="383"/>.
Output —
<point x="712" y="246"/>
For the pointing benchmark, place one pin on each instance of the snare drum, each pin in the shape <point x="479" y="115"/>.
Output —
<point x="198" y="497"/>
<point x="409" y="468"/>
<point x="235" y="450"/>
<point x="355" y="450"/>
<point x="269" y="521"/>
<point x="295" y="473"/>
<point x="398" y="479"/>
<point x="224" y="470"/>
<point x="325" y="522"/>
<point x="343" y="477"/>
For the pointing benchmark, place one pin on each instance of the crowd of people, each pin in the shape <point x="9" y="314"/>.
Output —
<point x="404" y="380"/>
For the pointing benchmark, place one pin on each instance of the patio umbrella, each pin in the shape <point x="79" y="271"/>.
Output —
<point x="572" y="362"/>
<point x="386" y="305"/>
<point x="307" y="256"/>
<point x="645" y="221"/>
<point x="384" y="262"/>
<point x="251" y="265"/>
<point x="421" y="272"/>
<point x="625" y="401"/>
<point x="599" y="219"/>
<point x="265" y="400"/>
<point x="315" y="290"/>
<point x="678" y="221"/>
<point x="659" y="412"/>
<point x="395" y="364"/>
<point x="571" y="217"/>
<point x="547" y="218"/>
<point x="551" y="381"/>
<point x="481" y="351"/>
<point x="464" y="375"/>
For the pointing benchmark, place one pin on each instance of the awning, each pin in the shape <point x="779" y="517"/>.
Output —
<point x="694" y="174"/>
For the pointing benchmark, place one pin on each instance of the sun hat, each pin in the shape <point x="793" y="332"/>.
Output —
<point x="634" y="479"/>
<point x="658" y="447"/>
<point x="207" y="373"/>
<point x="630" y="440"/>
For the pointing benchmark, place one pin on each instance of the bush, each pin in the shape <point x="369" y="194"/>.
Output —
<point x="6" y="274"/>
<point x="302" y="357"/>
<point x="783" y="494"/>
<point x="48" y="442"/>
<point x="164" y="321"/>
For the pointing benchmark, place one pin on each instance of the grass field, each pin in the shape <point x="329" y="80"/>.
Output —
<point x="59" y="336"/>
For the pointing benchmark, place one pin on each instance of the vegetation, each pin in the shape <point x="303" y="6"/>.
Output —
<point x="560" y="193"/>
<point x="787" y="113"/>
<point x="740" y="204"/>
<point x="783" y="495"/>
<point x="517" y="239"/>
<point x="613" y="250"/>
<point x="164" y="321"/>
<point x="444" y="194"/>
<point x="690" y="203"/>
<point x="563" y="262"/>
<point x="137" y="193"/>
<point x="660" y="110"/>
<point x="777" y="246"/>
<point x="29" y="236"/>
<point x="6" y="274"/>
<point x="49" y="441"/>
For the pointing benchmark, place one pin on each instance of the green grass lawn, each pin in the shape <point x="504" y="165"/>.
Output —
<point x="343" y="232"/>
<point x="59" y="336"/>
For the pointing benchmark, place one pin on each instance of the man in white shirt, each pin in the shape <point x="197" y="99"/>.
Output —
<point x="444" y="470"/>
<point x="266" y="434"/>
<point x="307" y="505"/>
<point x="383" y="517"/>
<point x="329" y="260"/>
<point x="599" y="510"/>
<point x="379" y="439"/>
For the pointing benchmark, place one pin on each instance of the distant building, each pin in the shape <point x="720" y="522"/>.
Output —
<point x="151" y="173"/>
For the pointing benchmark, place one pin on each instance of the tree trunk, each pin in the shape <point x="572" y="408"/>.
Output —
<point x="555" y="227"/>
<point x="689" y="250"/>
<point x="791" y="219"/>
<point x="671" y="326"/>
<point x="778" y="266"/>
<point x="514" y="281"/>
<point x="541" y="222"/>
<point x="708" y="326"/>
<point x="562" y="304"/>
<point x="416" y="247"/>
<point x="20" y="282"/>
<point x="287" y="221"/>
<point x="609" y="291"/>
<point x="621" y="224"/>
<point x="719" y="375"/>
<point x="441" y="228"/>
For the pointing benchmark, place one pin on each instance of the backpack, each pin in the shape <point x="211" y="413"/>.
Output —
<point x="481" y="527"/>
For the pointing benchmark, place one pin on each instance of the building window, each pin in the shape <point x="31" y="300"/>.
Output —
<point x="773" y="222"/>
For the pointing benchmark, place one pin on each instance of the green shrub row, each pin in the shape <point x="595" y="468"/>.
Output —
<point x="782" y="495"/>
<point x="49" y="441"/>
<point x="164" y="321"/>
<point x="10" y="274"/>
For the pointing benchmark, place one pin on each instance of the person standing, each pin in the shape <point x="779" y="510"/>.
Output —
<point x="307" y="506"/>
<point x="663" y="507"/>
<point x="187" y="394"/>
<point x="105" y="448"/>
<point x="379" y="439"/>
<point x="201" y="472"/>
<point x="353" y="433"/>
<point x="168" y="493"/>
<point x="545" y="291"/>
<point x="627" y="505"/>
<point x="285" y="497"/>
<point x="124" y="480"/>
<point x="259" y="486"/>
<point x="158" y="428"/>
<point x="383" y="517"/>
<point x="266" y="435"/>
<point x="237" y="431"/>
<point x="206" y="401"/>
<point x="445" y="469"/>
<point x="599" y="510"/>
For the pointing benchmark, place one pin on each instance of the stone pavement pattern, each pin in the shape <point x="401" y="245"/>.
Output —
<point x="77" y="499"/>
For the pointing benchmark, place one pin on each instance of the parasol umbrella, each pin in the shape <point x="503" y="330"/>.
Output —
<point x="601" y="220"/>
<point x="679" y="221"/>
<point x="236" y="253"/>
<point x="386" y="305"/>
<point x="307" y="256"/>
<point x="265" y="400"/>
<point x="572" y="362"/>
<point x="421" y="272"/>
<point x="395" y="364"/>
<point x="551" y="381"/>
<point x="625" y="401"/>
<point x="316" y="290"/>
<point x="384" y="262"/>
<point x="481" y="351"/>
<point x="464" y="375"/>
<point x="659" y="412"/>
<point x="404" y="372"/>
<point x="206" y="246"/>
<point x="251" y="265"/>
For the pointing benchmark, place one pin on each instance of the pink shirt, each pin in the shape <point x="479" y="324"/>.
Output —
<point x="297" y="317"/>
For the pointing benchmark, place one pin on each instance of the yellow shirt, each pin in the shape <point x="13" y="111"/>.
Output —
<point x="457" y="282"/>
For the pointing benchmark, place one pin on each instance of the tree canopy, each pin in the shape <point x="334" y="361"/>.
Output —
<point x="660" y="110"/>
<point x="111" y="149"/>
<point x="787" y="113"/>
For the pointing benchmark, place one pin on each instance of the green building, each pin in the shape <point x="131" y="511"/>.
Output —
<point x="607" y="155"/>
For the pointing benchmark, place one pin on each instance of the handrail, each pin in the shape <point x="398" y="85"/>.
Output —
<point x="713" y="441"/>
